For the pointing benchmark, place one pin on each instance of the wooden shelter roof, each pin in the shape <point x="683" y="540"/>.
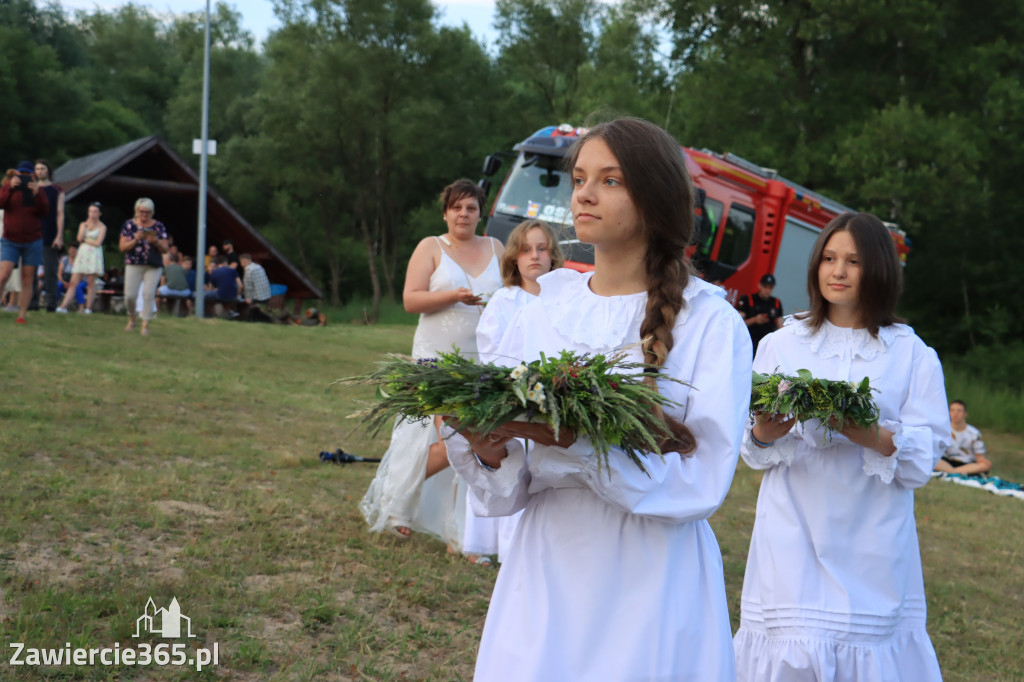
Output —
<point x="149" y="167"/>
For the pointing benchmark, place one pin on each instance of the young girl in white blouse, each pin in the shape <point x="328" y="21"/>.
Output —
<point x="615" y="574"/>
<point x="531" y="250"/>
<point x="833" y="590"/>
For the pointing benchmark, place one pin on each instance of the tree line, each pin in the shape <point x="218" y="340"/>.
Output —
<point x="337" y="133"/>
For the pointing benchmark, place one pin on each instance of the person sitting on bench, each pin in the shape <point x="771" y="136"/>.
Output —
<point x="223" y="287"/>
<point x="175" y="283"/>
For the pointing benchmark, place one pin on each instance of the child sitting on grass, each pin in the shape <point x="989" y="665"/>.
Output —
<point x="966" y="454"/>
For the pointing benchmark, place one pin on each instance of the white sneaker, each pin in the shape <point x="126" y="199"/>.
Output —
<point x="62" y="311"/>
<point x="86" y="311"/>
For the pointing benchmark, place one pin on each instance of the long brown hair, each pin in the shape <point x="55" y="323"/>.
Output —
<point x="881" y="280"/>
<point x="655" y="176"/>
<point x="510" y="275"/>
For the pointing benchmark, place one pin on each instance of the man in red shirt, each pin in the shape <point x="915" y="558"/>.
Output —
<point x="24" y="208"/>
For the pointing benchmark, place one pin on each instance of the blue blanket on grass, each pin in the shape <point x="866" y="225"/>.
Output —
<point x="993" y="484"/>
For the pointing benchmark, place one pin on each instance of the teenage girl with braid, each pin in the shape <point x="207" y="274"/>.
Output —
<point x="615" y="574"/>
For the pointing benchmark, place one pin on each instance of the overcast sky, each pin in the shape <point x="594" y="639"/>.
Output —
<point x="258" y="15"/>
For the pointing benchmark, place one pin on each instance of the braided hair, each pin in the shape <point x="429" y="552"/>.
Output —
<point x="659" y="186"/>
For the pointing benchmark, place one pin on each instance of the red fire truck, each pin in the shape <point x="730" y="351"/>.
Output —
<point x="751" y="220"/>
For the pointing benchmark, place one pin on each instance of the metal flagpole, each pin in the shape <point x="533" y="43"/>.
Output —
<point x="201" y="227"/>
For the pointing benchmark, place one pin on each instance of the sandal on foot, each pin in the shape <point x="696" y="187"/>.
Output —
<point x="395" y="529"/>
<point x="479" y="560"/>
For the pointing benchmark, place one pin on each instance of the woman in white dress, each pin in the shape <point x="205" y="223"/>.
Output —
<point x="615" y="574"/>
<point x="531" y="250"/>
<point x="447" y="280"/>
<point x="833" y="590"/>
<point x="88" y="262"/>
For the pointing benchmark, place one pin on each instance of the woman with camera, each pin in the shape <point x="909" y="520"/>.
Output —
<point x="24" y="208"/>
<point x="143" y="242"/>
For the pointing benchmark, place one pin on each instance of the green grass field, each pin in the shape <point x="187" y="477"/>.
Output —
<point x="184" y="465"/>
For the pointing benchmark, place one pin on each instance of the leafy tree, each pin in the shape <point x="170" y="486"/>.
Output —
<point x="627" y="74"/>
<point x="901" y="165"/>
<point x="380" y="107"/>
<point x="131" y="62"/>
<point x="235" y="72"/>
<point x="912" y="110"/>
<point x="544" y="50"/>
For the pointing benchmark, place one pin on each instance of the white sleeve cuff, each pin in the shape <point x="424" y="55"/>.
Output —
<point x="782" y="451"/>
<point x="877" y="464"/>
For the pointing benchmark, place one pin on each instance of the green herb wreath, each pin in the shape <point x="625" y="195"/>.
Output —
<point x="599" y="397"/>
<point x="833" y="403"/>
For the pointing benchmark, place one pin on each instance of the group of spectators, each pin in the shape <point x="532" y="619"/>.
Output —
<point x="33" y="263"/>
<point x="230" y="279"/>
<point x="32" y="233"/>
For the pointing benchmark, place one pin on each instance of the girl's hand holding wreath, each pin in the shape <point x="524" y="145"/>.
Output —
<point x="877" y="438"/>
<point x="770" y="427"/>
<point x="490" y="447"/>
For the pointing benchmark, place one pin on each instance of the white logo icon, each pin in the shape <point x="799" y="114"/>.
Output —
<point x="163" y="622"/>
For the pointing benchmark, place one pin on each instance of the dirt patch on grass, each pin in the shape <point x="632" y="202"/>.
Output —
<point x="173" y="507"/>
<point x="66" y="560"/>
<point x="270" y="583"/>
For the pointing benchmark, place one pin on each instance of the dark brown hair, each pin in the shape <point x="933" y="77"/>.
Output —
<point x="510" y="275"/>
<point x="460" y="189"/>
<point x="881" y="280"/>
<point x="49" y="168"/>
<point x="655" y="176"/>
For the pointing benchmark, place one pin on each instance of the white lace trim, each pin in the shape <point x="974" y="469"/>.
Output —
<point x="603" y="322"/>
<point x="840" y="342"/>
<point x="877" y="464"/>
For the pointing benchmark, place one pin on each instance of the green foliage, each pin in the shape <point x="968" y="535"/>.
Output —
<point x="992" y="403"/>
<point x="601" y="398"/>
<point x="545" y="46"/>
<point x="335" y="140"/>
<point x="376" y="85"/>
<point x="832" y="403"/>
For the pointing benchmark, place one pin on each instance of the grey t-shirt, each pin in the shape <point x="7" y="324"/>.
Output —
<point x="176" y="278"/>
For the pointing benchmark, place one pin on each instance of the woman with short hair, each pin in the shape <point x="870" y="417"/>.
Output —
<point x="143" y="242"/>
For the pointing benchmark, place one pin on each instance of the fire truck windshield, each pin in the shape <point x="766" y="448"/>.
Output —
<point x="537" y="187"/>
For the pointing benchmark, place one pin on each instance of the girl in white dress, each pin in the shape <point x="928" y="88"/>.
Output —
<point x="833" y="590"/>
<point x="531" y="250"/>
<point x="615" y="574"/>
<point x="89" y="261"/>
<point x="447" y="280"/>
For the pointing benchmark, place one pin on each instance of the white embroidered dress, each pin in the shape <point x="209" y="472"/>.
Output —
<point x="833" y="590"/>
<point x="399" y="495"/>
<point x="494" y="536"/>
<point x="616" y="577"/>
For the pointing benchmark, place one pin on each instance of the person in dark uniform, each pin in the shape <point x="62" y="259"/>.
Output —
<point x="761" y="311"/>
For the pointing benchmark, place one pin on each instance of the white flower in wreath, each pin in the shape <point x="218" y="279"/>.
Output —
<point x="536" y="394"/>
<point x="518" y="371"/>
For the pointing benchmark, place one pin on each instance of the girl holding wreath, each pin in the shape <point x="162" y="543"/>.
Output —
<point x="833" y="590"/>
<point x="615" y="574"/>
